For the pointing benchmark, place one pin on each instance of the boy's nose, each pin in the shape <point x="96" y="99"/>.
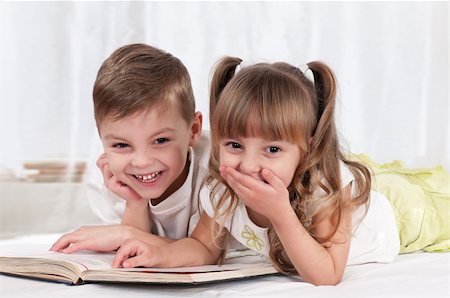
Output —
<point x="141" y="159"/>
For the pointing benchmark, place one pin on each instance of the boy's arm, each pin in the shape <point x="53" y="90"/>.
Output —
<point x="104" y="238"/>
<point x="198" y="249"/>
<point x="137" y="214"/>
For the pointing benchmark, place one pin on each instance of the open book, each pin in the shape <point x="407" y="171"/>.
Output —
<point x="89" y="267"/>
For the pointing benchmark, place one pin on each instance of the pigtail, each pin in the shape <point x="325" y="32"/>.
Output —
<point x="222" y="74"/>
<point x="324" y="141"/>
<point x="325" y="153"/>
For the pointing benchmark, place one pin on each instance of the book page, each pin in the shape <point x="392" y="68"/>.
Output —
<point x="83" y="260"/>
<point x="96" y="267"/>
<point x="198" y="269"/>
<point x="87" y="260"/>
<point x="180" y="275"/>
<point x="242" y="266"/>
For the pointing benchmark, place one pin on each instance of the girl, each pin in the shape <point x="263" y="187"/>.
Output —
<point x="278" y="182"/>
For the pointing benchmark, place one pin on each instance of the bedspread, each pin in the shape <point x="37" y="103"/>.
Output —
<point x="410" y="275"/>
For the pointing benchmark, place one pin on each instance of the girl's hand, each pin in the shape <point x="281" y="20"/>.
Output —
<point x="136" y="253"/>
<point x="115" y="185"/>
<point x="98" y="238"/>
<point x="269" y="198"/>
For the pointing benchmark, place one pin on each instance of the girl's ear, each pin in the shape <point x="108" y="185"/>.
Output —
<point x="196" y="128"/>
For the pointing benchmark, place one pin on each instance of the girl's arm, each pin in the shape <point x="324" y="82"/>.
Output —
<point x="198" y="249"/>
<point x="317" y="263"/>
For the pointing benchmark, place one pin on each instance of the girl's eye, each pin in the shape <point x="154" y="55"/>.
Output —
<point x="161" y="140"/>
<point x="273" y="149"/>
<point x="233" y="145"/>
<point x="120" y="145"/>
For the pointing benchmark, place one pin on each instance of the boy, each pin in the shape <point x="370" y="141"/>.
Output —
<point x="154" y="154"/>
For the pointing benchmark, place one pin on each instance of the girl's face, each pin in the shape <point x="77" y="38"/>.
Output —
<point x="249" y="155"/>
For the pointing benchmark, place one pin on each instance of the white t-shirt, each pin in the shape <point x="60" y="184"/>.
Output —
<point x="176" y="216"/>
<point x="374" y="239"/>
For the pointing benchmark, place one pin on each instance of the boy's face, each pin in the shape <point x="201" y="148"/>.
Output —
<point x="148" y="150"/>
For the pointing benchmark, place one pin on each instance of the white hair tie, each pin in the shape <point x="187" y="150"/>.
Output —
<point x="307" y="72"/>
<point x="240" y="66"/>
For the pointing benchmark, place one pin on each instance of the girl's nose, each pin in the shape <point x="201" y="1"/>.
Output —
<point x="249" y="164"/>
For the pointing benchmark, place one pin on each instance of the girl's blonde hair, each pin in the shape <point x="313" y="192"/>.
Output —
<point x="277" y="101"/>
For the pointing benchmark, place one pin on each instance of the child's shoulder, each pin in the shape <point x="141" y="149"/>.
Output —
<point x="346" y="174"/>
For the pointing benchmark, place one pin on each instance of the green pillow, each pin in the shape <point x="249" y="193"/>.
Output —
<point x="421" y="203"/>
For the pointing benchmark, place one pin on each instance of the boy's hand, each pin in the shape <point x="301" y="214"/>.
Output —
<point x="103" y="238"/>
<point x="136" y="253"/>
<point x="113" y="184"/>
<point x="98" y="238"/>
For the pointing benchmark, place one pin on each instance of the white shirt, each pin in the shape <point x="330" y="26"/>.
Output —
<point x="176" y="216"/>
<point x="374" y="239"/>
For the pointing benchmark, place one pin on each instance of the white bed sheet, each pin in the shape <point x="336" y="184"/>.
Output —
<point x="411" y="275"/>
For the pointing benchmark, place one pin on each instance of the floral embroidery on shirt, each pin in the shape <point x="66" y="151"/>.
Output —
<point x="253" y="241"/>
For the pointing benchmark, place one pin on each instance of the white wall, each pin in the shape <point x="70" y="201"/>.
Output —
<point x="391" y="60"/>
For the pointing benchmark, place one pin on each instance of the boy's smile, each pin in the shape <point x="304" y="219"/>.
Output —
<point x="148" y="151"/>
<point x="148" y="178"/>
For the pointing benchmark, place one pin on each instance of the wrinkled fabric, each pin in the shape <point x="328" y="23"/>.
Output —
<point x="421" y="202"/>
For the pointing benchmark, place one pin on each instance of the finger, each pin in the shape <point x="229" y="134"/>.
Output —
<point x="326" y="244"/>
<point x="136" y="261"/>
<point x="102" y="164"/>
<point x="118" y="260"/>
<point x="273" y="179"/>
<point x="72" y="248"/>
<point x="122" y="190"/>
<point x="130" y="193"/>
<point x="245" y="180"/>
<point x="101" y="161"/>
<point x="113" y="183"/>
<point x="241" y="191"/>
<point x="62" y="243"/>
<point x="127" y="250"/>
<point x="106" y="172"/>
<point x="80" y="245"/>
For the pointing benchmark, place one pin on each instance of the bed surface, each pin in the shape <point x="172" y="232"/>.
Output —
<point x="410" y="275"/>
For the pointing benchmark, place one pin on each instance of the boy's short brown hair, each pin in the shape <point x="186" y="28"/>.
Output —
<point x="138" y="77"/>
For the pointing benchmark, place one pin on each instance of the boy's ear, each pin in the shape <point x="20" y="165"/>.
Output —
<point x="196" y="128"/>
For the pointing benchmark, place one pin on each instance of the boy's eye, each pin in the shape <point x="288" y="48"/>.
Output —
<point x="161" y="140"/>
<point x="120" y="145"/>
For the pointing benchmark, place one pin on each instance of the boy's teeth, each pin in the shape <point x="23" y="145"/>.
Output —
<point x="149" y="177"/>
